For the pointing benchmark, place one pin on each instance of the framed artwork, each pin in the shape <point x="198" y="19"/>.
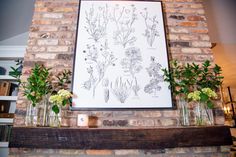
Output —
<point x="120" y="53"/>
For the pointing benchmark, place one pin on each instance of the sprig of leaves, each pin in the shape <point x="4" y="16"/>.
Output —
<point x="210" y="77"/>
<point x="37" y="84"/>
<point x="17" y="71"/>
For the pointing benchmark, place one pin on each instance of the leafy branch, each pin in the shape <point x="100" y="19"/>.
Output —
<point x="37" y="84"/>
<point x="16" y="72"/>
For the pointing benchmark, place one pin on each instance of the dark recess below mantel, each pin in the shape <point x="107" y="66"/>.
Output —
<point x="142" y="138"/>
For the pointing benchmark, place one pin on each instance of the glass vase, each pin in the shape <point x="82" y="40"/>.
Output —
<point x="184" y="112"/>
<point x="54" y="118"/>
<point x="31" y="115"/>
<point x="203" y="115"/>
<point x="43" y="111"/>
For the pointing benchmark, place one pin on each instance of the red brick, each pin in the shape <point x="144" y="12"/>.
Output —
<point x="196" y="18"/>
<point x="42" y="22"/>
<point x="199" y="31"/>
<point x="188" y="24"/>
<point x="99" y="152"/>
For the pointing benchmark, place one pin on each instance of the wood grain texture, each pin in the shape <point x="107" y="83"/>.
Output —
<point x="155" y="138"/>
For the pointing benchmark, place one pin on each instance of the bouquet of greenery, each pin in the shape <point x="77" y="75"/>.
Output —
<point x="182" y="78"/>
<point x="37" y="85"/>
<point x="190" y="78"/>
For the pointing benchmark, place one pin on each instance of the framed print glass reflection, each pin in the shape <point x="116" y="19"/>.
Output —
<point x="120" y="53"/>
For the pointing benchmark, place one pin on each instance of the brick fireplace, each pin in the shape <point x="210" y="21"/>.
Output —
<point x="52" y="42"/>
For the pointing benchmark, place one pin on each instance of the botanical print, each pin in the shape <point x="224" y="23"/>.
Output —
<point x="151" y="27"/>
<point x="124" y="18"/>
<point x="96" y="22"/>
<point x="120" y="51"/>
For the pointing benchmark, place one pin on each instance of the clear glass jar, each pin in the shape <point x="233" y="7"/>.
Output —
<point x="54" y="118"/>
<point x="184" y="112"/>
<point x="43" y="111"/>
<point x="203" y="115"/>
<point x="31" y="115"/>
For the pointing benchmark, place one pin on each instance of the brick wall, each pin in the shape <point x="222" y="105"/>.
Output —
<point x="52" y="40"/>
<point x="222" y="151"/>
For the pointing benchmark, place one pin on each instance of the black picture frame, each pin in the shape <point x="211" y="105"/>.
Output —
<point x="90" y="84"/>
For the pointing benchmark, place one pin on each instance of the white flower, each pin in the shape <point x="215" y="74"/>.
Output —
<point x="65" y="94"/>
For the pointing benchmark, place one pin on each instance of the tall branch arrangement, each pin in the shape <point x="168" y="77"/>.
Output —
<point x="192" y="80"/>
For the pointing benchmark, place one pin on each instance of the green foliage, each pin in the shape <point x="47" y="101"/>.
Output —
<point x="16" y="72"/>
<point x="186" y="78"/>
<point x="210" y="77"/>
<point x="206" y="99"/>
<point x="181" y="78"/>
<point x="37" y="84"/>
<point x="55" y="109"/>
<point x="64" y="78"/>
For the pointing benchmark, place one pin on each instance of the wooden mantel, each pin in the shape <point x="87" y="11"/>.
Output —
<point x="95" y="138"/>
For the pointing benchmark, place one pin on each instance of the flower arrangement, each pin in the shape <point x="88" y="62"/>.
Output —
<point x="198" y="83"/>
<point x="40" y="84"/>
<point x="62" y="98"/>
<point x="203" y="95"/>
<point x="192" y="79"/>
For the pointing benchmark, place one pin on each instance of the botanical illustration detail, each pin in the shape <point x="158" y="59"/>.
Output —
<point x="121" y="89"/>
<point x="124" y="19"/>
<point x="96" y="22"/>
<point x="135" y="87"/>
<point x="153" y="71"/>
<point x="132" y="65"/>
<point x="99" y="60"/>
<point x="105" y="84"/>
<point x="151" y="27"/>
